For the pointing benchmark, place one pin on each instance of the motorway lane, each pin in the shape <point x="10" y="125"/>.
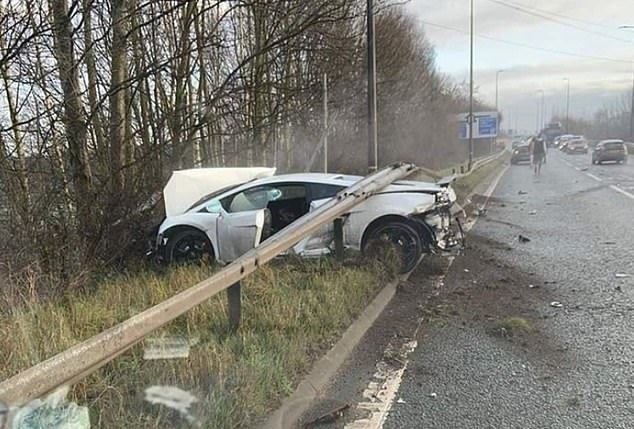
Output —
<point x="575" y="367"/>
<point x="620" y="175"/>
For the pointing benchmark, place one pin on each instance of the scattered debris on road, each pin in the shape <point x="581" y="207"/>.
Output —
<point x="522" y="192"/>
<point x="533" y="286"/>
<point x="329" y="417"/>
<point x="556" y="304"/>
<point x="466" y="270"/>
<point x="584" y="169"/>
<point x="532" y="212"/>
<point x="400" y="401"/>
<point x="621" y="275"/>
<point x="433" y="395"/>
<point x="523" y="239"/>
<point x="609" y="242"/>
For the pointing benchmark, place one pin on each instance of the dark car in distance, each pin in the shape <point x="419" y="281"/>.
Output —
<point x="577" y="145"/>
<point x="609" y="150"/>
<point x="521" y="153"/>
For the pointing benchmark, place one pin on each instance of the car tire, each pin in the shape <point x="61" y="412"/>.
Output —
<point x="188" y="246"/>
<point x="401" y="234"/>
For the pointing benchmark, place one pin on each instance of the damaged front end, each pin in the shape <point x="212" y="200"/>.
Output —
<point x="443" y="223"/>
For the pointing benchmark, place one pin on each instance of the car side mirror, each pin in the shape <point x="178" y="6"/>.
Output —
<point x="213" y="206"/>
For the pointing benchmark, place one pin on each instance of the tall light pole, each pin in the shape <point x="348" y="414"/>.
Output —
<point x="470" y="119"/>
<point x="372" y="127"/>
<point x="325" y="123"/>
<point x="497" y="114"/>
<point x="539" y="111"/>
<point x="543" y="123"/>
<point x="632" y="106"/>
<point x="567" y="105"/>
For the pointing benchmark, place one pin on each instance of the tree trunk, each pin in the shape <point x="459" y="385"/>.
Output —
<point x="118" y="70"/>
<point x="74" y="120"/>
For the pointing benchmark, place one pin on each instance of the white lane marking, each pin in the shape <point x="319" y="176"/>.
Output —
<point x="622" y="191"/>
<point x="487" y="196"/>
<point x="592" y="176"/>
<point x="381" y="392"/>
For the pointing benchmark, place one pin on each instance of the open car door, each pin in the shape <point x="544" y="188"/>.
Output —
<point x="239" y="232"/>
<point x="318" y="243"/>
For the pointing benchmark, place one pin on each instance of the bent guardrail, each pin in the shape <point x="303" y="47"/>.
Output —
<point x="89" y="355"/>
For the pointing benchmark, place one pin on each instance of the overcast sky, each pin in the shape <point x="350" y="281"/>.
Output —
<point x="588" y="28"/>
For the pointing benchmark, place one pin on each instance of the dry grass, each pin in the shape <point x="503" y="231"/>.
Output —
<point x="466" y="184"/>
<point x="291" y="314"/>
<point x="511" y="326"/>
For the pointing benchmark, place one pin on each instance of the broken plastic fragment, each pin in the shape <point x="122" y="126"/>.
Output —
<point x="52" y="413"/>
<point x="172" y="397"/>
<point x="621" y="275"/>
<point x="168" y="348"/>
<point x="522" y="192"/>
<point x="532" y="212"/>
<point x="556" y="304"/>
<point x="400" y="401"/>
<point x="433" y="395"/>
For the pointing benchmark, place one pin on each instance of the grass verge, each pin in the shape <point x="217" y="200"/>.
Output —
<point x="291" y="314"/>
<point x="466" y="184"/>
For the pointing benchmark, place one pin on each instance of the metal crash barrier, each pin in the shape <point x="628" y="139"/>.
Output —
<point x="86" y="357"/>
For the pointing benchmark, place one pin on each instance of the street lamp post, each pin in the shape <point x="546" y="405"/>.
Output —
<point x="543" y="123"/>
<point x="497" y="93"/>
<point x="540" y="111"/>
<point x="632" y="106"/>
<point x="567" y="105"/>
<point x="372" y="125"/>
<point x="470" y="118"/>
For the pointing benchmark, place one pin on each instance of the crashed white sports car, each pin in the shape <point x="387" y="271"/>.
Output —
<point x="253" y="204"/>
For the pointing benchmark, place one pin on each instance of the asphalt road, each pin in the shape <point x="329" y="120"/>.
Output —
<point x="536" y="334"/>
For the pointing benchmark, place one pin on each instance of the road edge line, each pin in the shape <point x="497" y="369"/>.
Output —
<point x="622" y="191"/>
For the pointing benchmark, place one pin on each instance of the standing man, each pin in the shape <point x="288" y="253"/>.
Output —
<point x="537" y="149"/>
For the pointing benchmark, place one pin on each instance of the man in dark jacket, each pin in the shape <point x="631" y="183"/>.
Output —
<point x="537" y="149"/>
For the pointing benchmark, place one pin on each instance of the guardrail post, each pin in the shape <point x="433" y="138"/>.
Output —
<point x="234" y="306"/>
<point x="339" y="239"/>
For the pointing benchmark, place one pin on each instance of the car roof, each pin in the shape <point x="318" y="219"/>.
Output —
<point x="327" y="178"/>
<point x="612" y="141"/>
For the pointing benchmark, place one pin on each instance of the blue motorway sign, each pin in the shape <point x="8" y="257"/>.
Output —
<point x="487" y="126"/>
